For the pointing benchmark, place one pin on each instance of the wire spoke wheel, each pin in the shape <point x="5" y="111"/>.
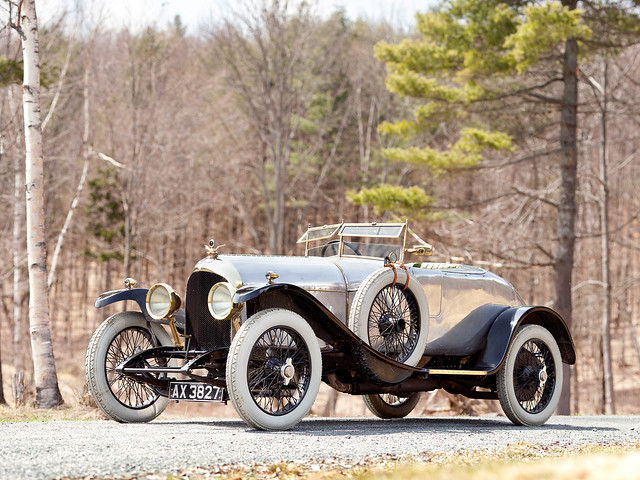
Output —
<point x="126" y="390"/>
<point x="394" y="322"/>
<point x="534" y="376"/>
<point x="279" y="370"/>
<point x="387" y="405"/>
<point x="393" y="400"/>
<point x="390" y="312"/>
<point x="274" y="369"/>
<point x="530" y="380"/>
<point x="120" y="397"/>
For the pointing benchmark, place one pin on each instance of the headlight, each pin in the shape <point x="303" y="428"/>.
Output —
<point x="220" y="301"/>
<point x="162" y="301"/>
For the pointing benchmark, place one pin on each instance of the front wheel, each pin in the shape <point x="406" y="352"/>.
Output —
<point x="386" y="405"/>
<point x="273" y="369"/>
<point x="118" y="396"/>
<point x="530" y="380"/>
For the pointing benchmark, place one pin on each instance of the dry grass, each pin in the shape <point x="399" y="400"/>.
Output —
<point x="584" y="467"/>
<point x="515" y="462"/>
<point x="64" y="412"/>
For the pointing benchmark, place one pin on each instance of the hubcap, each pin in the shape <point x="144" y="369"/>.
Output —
<point x="543" y="376"/>
<point x="287" y="371"/>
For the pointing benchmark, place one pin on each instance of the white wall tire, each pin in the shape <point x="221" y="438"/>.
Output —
<point x="274" y="369"/>
<point x="385" y="405"/>
<point x="530" y="380"/>
<point x="118" y="396"/>
<point x="392" y="320"/>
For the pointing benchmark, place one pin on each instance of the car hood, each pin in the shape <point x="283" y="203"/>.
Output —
<point x="338" y="274"/>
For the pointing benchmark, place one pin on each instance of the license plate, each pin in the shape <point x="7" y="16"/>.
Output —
<point x="195" y="392"/>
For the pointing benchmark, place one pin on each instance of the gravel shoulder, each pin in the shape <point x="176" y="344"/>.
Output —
<point x="61" y="449"/>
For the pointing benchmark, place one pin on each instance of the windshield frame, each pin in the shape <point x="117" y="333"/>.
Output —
<point x="341" y="232"/>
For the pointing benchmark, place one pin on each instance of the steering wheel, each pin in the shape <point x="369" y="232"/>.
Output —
<point x="332" y="244"/>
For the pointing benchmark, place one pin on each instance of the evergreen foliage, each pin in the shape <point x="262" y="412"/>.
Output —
<point x="106" y="214"/>
<point x="470" y="57"/>
<point x="11" y="71"/>
<point x="403" y="202"/>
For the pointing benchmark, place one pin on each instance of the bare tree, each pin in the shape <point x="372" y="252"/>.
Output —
<point x="46" y="379"/>
<point x="609" y="403"/>
<point x="18" y="256"/>
<point x="268" y="69"/>
<point x="3" y="401"/>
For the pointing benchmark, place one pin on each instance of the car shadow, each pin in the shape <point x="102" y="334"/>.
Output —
<point x="453" y="425"/>
<point x="325" y="426"/>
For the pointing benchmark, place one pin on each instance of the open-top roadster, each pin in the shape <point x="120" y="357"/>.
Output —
<point x="264" y="331"/>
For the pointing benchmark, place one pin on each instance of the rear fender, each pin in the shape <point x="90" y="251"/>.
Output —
<point x="377" y="368"/>
<point x="504" y="328"/>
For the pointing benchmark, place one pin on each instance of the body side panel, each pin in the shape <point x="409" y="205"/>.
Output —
<point x="466" y="302"/>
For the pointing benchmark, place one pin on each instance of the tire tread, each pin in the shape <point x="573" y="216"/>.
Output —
<point x="241" y="403"/>
<point x="103" y="397"/>
<point x="512" y="409"/>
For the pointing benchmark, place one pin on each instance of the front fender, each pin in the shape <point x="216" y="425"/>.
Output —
<point x="504" y="328"/>
<point x="138" y="295"/>
<point x="374" y="366"/>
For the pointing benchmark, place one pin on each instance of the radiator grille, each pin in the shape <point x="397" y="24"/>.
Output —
<point x="207" y="333"/>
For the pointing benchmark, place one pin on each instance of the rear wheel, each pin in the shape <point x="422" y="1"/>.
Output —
<point x="386" y="405"/>
<point x="273" y="369"/>
<point x="118" y="396"/>
<point x="530" y="380"/>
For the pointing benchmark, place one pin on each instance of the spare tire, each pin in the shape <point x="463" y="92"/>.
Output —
<point x="390" y="312"/>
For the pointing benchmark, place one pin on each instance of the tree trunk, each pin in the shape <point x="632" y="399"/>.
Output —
<point x="45" y="376"/>
<point x="607" y="373"/>
<point x="6" y="317"/>
<point x="18" y="221"/>
<point x="567" y="202"/>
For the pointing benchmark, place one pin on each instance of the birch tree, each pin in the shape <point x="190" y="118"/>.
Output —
<point x="13" y="74"/>
<point x="18" y="256"/>
<point x="45" y="376"/>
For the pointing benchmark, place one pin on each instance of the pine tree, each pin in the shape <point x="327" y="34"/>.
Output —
<point x="486" y="69"/>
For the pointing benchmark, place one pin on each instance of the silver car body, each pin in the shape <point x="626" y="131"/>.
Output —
<point x="453" y="291"/>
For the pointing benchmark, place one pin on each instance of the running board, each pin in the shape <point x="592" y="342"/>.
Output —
<point x="476" y="373"/>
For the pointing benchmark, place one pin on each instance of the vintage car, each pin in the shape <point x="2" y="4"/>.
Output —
<point x="353" y="312"/>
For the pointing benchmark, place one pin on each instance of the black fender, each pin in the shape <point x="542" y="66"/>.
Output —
<point x="504" y="328"/>
<point x="138" y="295"/>
<point x="374" y="366"/>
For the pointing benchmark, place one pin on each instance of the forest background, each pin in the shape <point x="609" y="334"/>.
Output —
<point x="277" y="117"/>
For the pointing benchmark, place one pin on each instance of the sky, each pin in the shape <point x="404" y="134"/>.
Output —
<point x="138" y="13"/>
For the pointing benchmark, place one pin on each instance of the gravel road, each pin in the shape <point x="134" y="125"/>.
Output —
<point x="55" y="449"/>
